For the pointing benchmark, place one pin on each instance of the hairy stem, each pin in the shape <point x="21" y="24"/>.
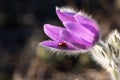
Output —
<point x="114" y="75"/>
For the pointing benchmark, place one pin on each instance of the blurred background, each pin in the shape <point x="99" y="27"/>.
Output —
<point x="21" y="30"/>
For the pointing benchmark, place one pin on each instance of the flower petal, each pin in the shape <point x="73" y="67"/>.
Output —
<point x="80" y="31"/>
<point x="84" y="20"/>
<point x="78" y="42"/>
<point x="65" y="16"/>
<point x="52" y="31"/>
<point x="54" y="44"/>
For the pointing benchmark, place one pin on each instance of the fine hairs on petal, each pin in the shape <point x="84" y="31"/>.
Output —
<point x="72" y="10"/>
<point x="85" y="14"/>
<point x="82" y="13"/>
<point x="63" y="51"/>
<point x="66" y="9"/>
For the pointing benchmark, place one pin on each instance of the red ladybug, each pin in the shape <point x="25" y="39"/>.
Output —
<point x="62" y="45"/>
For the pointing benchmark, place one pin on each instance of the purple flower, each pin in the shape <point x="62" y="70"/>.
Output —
<point x="81" y="32"/>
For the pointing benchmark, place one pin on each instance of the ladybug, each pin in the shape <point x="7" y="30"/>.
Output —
<point x="62" y="45"/>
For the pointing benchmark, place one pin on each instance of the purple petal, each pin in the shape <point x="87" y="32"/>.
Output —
<point x="81" y="31"/>
<point x="65" y="16"/>
<point x="74" y="40"/>
<point x="52" y="31"/>
<point x="91" y="24"/>
<point x="50" y="43"/>
<point x="54" y="44"/>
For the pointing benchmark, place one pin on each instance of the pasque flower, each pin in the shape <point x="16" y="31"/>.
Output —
<point x="81" y="32"/>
